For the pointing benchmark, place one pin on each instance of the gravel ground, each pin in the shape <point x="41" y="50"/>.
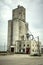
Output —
<point x="20" y="59"/>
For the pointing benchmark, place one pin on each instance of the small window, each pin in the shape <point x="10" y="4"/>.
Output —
<point x="37" y="45"/>
<point x="33" y="50"/>
<point x="22" y="37"/>
<point x="19" y="50"/>
<point x="23" y="50"/>
<point x="20" y="45"/>
<point x="19" y="12"/>
<point x="24" y="45"/>
<point x="27" y="44"/>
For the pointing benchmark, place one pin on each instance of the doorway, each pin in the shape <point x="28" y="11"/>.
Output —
<point x="27" y="50"/>
<point x="12" y="49"/>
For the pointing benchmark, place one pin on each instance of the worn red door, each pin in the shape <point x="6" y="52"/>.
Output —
<point x="27" y="50"/>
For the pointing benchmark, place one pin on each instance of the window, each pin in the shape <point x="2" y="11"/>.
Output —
<point x="20" y="45"/>
<point x="37" y="45"/>
<point x="33" y="50"/>
<point x="22" y="37"/>
<point x="23" y="50"/>
<point x="24" y="45"/>
<point x="19" y="50"/>
<point x="19" y="12"/>
<point x="27" y="44"/>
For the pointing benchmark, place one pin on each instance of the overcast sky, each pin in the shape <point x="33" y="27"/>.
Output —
<point x="34" y="17"/>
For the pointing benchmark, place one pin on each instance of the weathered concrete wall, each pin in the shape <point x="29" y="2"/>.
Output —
<point x="22" y="28"/>
<point x="15" y="30"/>
<point x="20" y="45"/>
<point x="19" y="13"/>
<point x="34" y="47"/>
<point x="9" y="34"/>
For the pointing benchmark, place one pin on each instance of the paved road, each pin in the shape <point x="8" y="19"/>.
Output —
<point x="20" y="60"/>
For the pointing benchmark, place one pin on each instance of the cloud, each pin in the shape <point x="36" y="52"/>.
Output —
<point x="35" y="16"/>
<point x="10" y="3"/>
<point x="4" y="17"/>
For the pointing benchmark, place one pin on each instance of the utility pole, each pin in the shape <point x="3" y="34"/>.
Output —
<point x="38" y="45"/>
<point x="4" y="48"/>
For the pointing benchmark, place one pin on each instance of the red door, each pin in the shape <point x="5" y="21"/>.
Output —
<point x="27" y="50"/>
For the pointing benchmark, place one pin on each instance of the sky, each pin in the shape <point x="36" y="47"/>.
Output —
<point x="34" y="17"/>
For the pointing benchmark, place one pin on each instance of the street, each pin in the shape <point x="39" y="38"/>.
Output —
<point x="20" y="59"/>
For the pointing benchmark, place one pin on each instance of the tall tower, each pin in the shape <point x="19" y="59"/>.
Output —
<point x="19" y="13"/>
<point x="17" y="27"/>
